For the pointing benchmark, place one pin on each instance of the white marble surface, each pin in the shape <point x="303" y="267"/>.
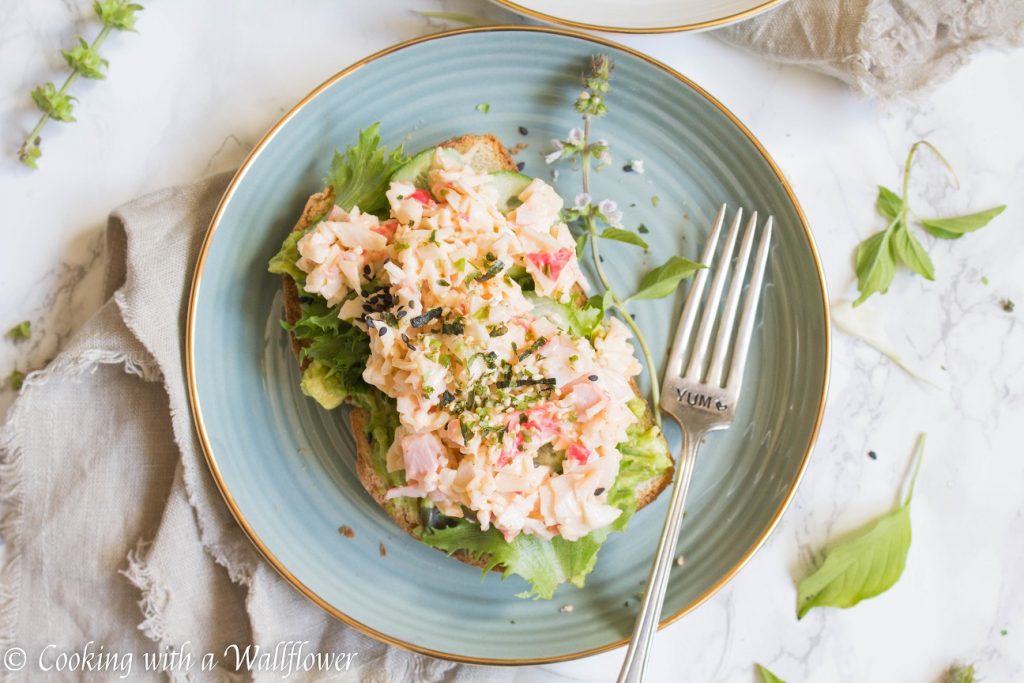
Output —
<point x="193" y="91"/>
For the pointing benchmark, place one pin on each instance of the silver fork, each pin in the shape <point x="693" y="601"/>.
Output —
<point x="700" y="396"/>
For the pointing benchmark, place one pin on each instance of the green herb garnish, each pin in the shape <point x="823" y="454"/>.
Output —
<point x="960" y="673"/>
<point x="483" y="107"/>
<point x="603" y="220"/>
<point x="868" y="563"/>
<point x="767" y="676"/>
<point x="626" y="236"/>
<point x="84" y="60"/>
<point x="21" y="331"/>
<point x="16" y="379"/>
<point x="877" y="258"/>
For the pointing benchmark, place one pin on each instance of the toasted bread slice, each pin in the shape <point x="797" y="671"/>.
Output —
<point x="485" y="153"/>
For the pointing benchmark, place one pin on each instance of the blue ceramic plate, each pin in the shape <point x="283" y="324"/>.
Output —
<point x="286" y="467"/>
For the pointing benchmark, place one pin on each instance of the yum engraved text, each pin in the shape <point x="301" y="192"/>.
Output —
<point x="700" y="400"/>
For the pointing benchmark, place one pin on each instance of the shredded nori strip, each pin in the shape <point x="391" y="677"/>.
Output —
<point x="548" y="381"/>
<point x="533" y="347"/>
<point x="491" y="272"/>
<point x="498" y="330"/>
<point x="446" y="398"/>
<point x="453" y="328"/>
<point x="421" y="320"/>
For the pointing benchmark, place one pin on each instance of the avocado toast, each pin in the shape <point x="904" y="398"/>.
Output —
<point x="352" y="340"/>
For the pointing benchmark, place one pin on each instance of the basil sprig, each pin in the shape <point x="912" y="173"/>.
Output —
<point x="878" y="257"/>
<point x="84" y="60"/>
<point x="867" y="564"/>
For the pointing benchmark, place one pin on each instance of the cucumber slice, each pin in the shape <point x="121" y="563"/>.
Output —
<point x="509" y="185"/>
<point x="415" y="170"/>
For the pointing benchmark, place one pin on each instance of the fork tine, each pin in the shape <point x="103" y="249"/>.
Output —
<point x="695" y="370"/>
<point x="746" y="328"/>
<point x="725" y="327"/>
<point x="674" y="365"/>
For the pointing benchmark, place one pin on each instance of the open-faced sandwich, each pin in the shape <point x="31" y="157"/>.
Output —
<point x="494" y="407"/>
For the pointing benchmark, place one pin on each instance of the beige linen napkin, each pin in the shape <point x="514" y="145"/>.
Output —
<point x="881" y="47"/>
<point x="116" y="538"/>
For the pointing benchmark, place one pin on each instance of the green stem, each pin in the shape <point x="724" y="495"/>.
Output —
<point x="30" y="139"/>
<point x="618" y="304"/>
<point x="586" y="155"/>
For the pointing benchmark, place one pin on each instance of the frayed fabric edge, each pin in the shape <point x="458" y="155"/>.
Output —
<point x="12" y="499"/>
<point x="152" y="604"/>
<point x="238" y="564"/>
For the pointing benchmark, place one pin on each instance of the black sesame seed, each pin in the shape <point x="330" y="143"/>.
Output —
<point x="412" y="347"/>
<point x="521" y="165"/>
<point x="401" y="314"/>
<point x="366" y="271"/>
<point x="592" y="378"/>
<point x="523" y="131"/>
<point x="602" y="258"/>
<point x="873" y="455"/>
<point x="382" y="330"/>
<point x="598" y="491"/>
<point x="628" y="168"/>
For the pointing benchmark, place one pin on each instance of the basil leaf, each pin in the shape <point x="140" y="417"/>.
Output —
<point x="867" y="564"/>
<point x="888" y="203"/>
<point x="620" y="235"/>
<point x="601" y="302"/>
<point x="955" y="227"/>
<point x="907" y="249"/>
<point x="767" y="676"/>
<point x="874" y="265"/>
<point x="581" y="243"/>
<point x="663" y="280"/>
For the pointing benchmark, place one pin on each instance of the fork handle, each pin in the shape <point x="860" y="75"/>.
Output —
<point x="634" y="668"/>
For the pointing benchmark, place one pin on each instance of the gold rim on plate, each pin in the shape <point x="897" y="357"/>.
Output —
<point x="697" y="26"/>
<point x="211" y="458"/>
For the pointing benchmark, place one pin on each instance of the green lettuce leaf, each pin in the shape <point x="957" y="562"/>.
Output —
<point x="360" y="175"/>
<point x="338" y="352"/>
<point x="544" y="564"/>
<point x="283" y="262"/>
<point x="581" y="320"/>
<point x="547" y="564"/>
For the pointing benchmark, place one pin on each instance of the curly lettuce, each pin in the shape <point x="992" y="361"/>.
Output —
<point x="360" y="175"/>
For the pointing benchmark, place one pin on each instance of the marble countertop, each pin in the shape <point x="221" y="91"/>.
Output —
<point x="199" y="84"/>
